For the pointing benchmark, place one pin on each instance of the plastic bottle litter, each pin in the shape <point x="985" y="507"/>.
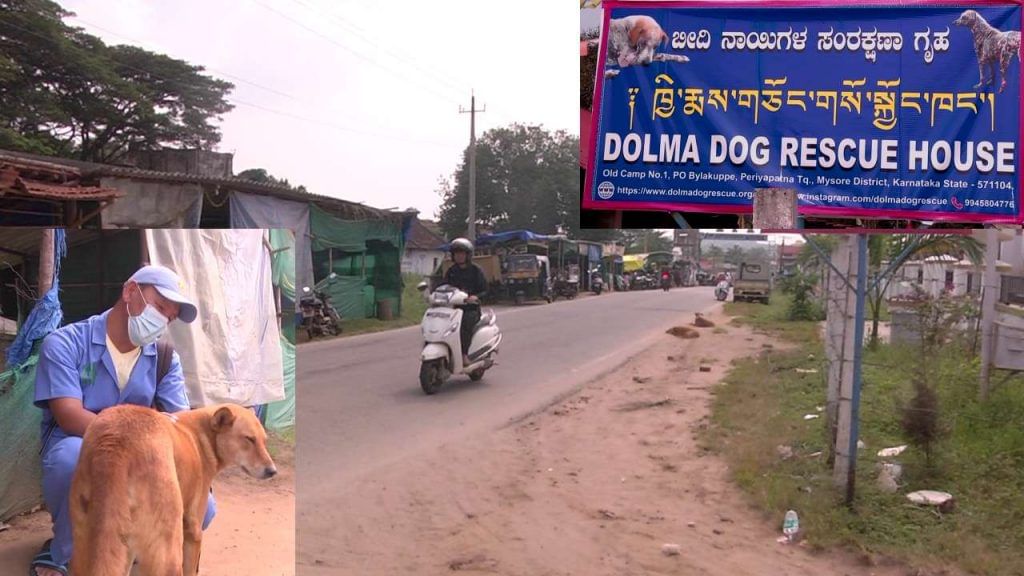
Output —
<point x="790" y="525"/>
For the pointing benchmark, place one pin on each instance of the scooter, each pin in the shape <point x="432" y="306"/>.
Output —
<point x="442" y="348"/>
<point x="722" y="291"/>
<point x="596" y="282"/>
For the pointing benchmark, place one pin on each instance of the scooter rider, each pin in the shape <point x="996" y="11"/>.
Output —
<point x="468" y="277"/>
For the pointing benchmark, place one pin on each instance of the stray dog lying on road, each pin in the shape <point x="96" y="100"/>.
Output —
<point x="140" y="490"/>
<point x="990" y="46"/>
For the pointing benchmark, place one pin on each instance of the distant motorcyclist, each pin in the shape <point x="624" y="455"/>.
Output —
<point x="470" y="278"/>
<point x="722" y="289"/>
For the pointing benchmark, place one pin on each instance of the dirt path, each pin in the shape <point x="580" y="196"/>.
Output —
<point x="594" y="485"/>
<point x="253" y="533"/>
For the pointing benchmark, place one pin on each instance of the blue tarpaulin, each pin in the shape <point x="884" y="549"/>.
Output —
<point x="46" y="315"/>
<point x="510" y="236"/>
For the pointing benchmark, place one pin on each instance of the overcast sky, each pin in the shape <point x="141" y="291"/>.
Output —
<point x="359" y="99"/>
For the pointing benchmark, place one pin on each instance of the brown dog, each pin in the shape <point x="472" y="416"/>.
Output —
<point x="141" y="486"/>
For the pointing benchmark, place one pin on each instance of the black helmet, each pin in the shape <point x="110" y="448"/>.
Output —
<point x="462" y="245"/>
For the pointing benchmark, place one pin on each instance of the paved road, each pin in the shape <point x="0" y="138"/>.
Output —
<point x="359" y="403"/>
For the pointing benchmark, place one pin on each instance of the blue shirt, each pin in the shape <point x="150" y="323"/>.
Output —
<point x="74" y="363"/>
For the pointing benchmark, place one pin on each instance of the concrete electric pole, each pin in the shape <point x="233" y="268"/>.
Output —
<point x="471" y="220"/>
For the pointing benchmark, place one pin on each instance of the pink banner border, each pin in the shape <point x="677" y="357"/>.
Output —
<point x="589" y="203"/>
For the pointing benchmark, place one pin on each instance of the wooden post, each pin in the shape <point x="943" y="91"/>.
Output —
<point x="775" y="209"/>
<point x="330" y="261"/>
<point x="101" y="267"/>
<point x="990" y="291"/>
<point x="46" y="254"/>
<point x="143" y="248"/>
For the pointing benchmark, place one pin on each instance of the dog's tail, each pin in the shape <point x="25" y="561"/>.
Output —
<point x="664" y="39"/>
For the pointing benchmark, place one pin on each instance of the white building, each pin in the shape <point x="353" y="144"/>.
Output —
<point x="422" y="250"/>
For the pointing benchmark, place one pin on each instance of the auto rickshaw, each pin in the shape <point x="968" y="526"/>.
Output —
<point x="527" y="277"/>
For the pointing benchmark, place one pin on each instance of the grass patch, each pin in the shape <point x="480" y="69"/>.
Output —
<point x="772" y="318"/>
<point x="761" y="406"/>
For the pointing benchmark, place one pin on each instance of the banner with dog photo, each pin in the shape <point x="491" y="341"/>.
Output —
<point x="866" y="111"/>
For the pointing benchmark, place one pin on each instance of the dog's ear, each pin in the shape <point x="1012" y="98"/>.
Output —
<point x="223" y="418"/>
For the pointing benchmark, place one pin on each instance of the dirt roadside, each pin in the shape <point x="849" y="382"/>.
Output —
<point x="594" y="485"/>
<point x="253" y="533"/>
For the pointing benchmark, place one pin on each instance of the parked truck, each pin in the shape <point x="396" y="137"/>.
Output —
<point x="753" y="282"/>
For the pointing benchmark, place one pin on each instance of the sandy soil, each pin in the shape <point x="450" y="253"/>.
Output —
<point x="594" y="485"/>
<point x="253" y="533"/>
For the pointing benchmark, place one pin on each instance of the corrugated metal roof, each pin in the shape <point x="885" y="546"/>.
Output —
<point x="32" y="178"/>
<point x="92" y="171"/>
<point x="23" y="164"/>
<point x="36" y="189"/>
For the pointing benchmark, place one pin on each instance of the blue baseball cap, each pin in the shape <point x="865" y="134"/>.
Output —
<point x="170" y="286"/>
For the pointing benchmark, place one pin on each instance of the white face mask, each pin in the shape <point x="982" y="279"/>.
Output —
<point x="147" y="327"/>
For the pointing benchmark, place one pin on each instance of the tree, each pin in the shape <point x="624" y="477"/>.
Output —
<point x="65" y="92"/>
<point x="644" y="241"/>
<point x="897" y="249"/>
<point x="526" y="178"/>
<point x="734" y="255"/>
<point x="262" y="176"/>
<point x="714" y="253"/>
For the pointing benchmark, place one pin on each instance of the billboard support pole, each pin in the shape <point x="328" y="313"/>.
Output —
<point x="681" y="222"/>
<point x="775" y="209"/>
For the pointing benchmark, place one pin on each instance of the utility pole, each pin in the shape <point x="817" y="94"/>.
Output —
<point x="472" y="162"/>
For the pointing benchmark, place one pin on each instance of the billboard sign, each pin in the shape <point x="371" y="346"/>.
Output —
<point x="909" y="111"/>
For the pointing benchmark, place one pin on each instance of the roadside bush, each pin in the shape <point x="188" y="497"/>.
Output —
<point x="803" y="305"/>
<point x="942" y="320"/>
<point x="920" y="420"/>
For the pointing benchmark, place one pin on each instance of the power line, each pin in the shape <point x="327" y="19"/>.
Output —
<point x="221" y="72"/>
<point x="345" y="128"/>
<point x="355" y="29"/>
<point x="346" y="48"/>
<point x="434" y="73"/>
<point x="265" y="108"/>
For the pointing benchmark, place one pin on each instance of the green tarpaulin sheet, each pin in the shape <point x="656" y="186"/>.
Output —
<point x="366" y="255"/>
<point x="281" y="414"/>
<point x="350" y="235"/>
<point x="20" y="469"/>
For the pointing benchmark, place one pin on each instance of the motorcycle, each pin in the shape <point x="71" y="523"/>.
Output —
<point x="666" y="281"/>
<point x="642" y="281"/>
<point x="722" y="291"/>
<point x="319" y="316"/>
<point x="442" y="348"/>
<point x="566" y="286"/>
<point x="596" y="282"/>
